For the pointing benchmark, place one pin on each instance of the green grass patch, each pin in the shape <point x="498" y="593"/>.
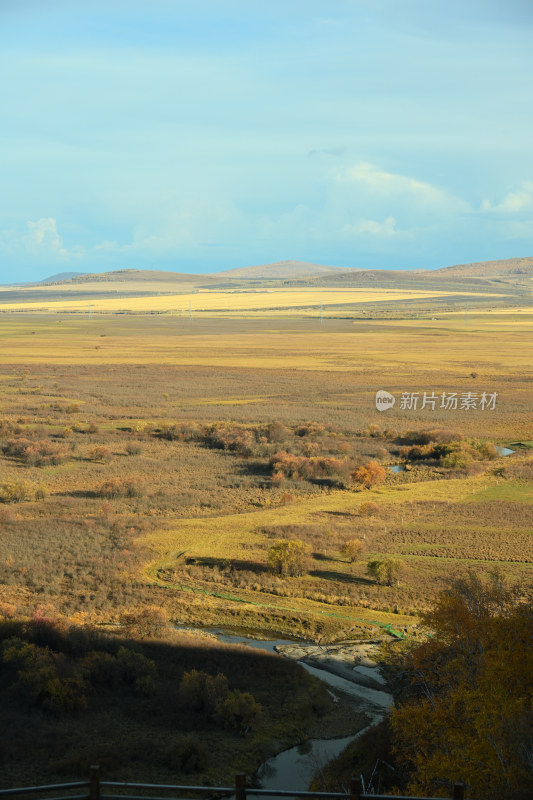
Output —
<point x="513" y="491"/>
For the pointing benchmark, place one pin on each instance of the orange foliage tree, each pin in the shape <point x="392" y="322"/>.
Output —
<point x="370" y="475"/>
<point x="471" y="713"/>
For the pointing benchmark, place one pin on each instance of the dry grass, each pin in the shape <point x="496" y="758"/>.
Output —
<point x="90" y="386"/>
<point x="269" y="301"/>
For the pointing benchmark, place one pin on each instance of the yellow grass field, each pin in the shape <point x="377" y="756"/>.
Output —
<point x="241" y="536"/>
<point x="492" y="345"/>
<point x="225" y="536"/>
<point x="205" y="301"/>
<point x="129" y="375"/>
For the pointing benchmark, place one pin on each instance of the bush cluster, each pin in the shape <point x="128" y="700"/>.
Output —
<point x="132" y="486"/>
<point x="371" y="474"/>
<point x="210" y="695"/>
<point x="286" y="465"/>
<point x="453" y="454"/>
<point x="35" y="453"/>
<point x="289" y="558"/>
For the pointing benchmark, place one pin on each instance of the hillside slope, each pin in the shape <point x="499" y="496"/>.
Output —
<point x="284" y="270"/>
<point x="491" y="269"/>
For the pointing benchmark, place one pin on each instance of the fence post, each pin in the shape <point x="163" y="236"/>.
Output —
<point x="94" y="783"/>
<point x="458" y="791"/>
<point x="355" y="789"/>
<point x="240" y="787"/>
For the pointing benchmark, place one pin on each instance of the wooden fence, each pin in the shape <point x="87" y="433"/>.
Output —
<point x="97" y="789"/>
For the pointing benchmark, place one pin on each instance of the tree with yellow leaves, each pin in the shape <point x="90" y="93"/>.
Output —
<point x="470" y="716"/>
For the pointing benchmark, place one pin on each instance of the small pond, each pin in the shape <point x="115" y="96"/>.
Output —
<point x="500" y="449"/>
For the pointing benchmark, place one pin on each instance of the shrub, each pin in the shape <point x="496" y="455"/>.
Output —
<point x="41" y="676"/>
<point x="369" y="509"/>
<point x="14" y="492"/>
<point x="351" y="549"/>
<point x="136" y="670"/>
<point x="460" y="454"/>
<point x="100" y="669"/>
<point x="202" y="692"/>
<point x="238" y="710"/>
<point x="145" y="621"/>
<point x="132" y="486"/>
<point x="423" y="437"/>
<point x="189" y="754"/>
<point x="287" y="465"/>
<point x="371" y="474"/>
<point x="276" y="432"/>
<point x="36" y="454"/>
<point x="290" y="558"/>
<point x="100" y="453"/>
<point x="9" y="428"/>
<point x="457" y="460"/>
<point x="374" y="431"/>
<point x="384" y="571"/>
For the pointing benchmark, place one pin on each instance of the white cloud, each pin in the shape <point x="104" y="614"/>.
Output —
<point x="391" y="184"/>
<point x="43" y="235"/>
<point x="518" y="200"/>
<point x="107" y="246"/>
<point x="41" y="240"/>
<point x="383" y="229"/>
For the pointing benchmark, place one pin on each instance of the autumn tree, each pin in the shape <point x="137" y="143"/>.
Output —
<point x="288" y="557"/>
<point x="470" y="714"/>
<point x="351" y="549"/>
<point x="371" y="474"/>
<point x="145" y="621"/>
<point x="201" y="692"/>
<point x="238" y="710"/>
<point x="384" y="570"/>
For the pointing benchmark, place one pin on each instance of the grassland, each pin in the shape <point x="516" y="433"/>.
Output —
<point x="259" y="302"/>
<point x="195" y="539"/>
<point x="145" y="461"/>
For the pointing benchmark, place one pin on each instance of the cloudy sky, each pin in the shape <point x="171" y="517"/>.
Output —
<point x="199" y="136"/>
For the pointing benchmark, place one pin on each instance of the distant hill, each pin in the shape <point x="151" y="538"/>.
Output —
<point x="397" y="279"/>
<point x="513" y="273"/>
<point x="484" y="276"/>
<point x="490" y="269"/>
<point x="61" y="276"/>
<point x="306" y="273"/>
<point x="280" y="270"/>
<point x="139" y="275"/>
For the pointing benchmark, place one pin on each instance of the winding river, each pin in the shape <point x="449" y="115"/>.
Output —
<point x="293" y="769"/>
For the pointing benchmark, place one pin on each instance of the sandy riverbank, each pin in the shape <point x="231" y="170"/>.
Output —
<point x="355" y="662"/>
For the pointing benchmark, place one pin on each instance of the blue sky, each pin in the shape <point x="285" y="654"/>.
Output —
<point x="199" y="136"/>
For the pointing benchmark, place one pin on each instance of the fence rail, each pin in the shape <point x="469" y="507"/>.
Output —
<point x="240" y="791"/>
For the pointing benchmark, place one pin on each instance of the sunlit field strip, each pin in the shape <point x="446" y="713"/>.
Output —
<point x="502" y="347"/>
<point x="236" y="301"/>
<point x="225" y="535"/>
<point x="230" y="536"/>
